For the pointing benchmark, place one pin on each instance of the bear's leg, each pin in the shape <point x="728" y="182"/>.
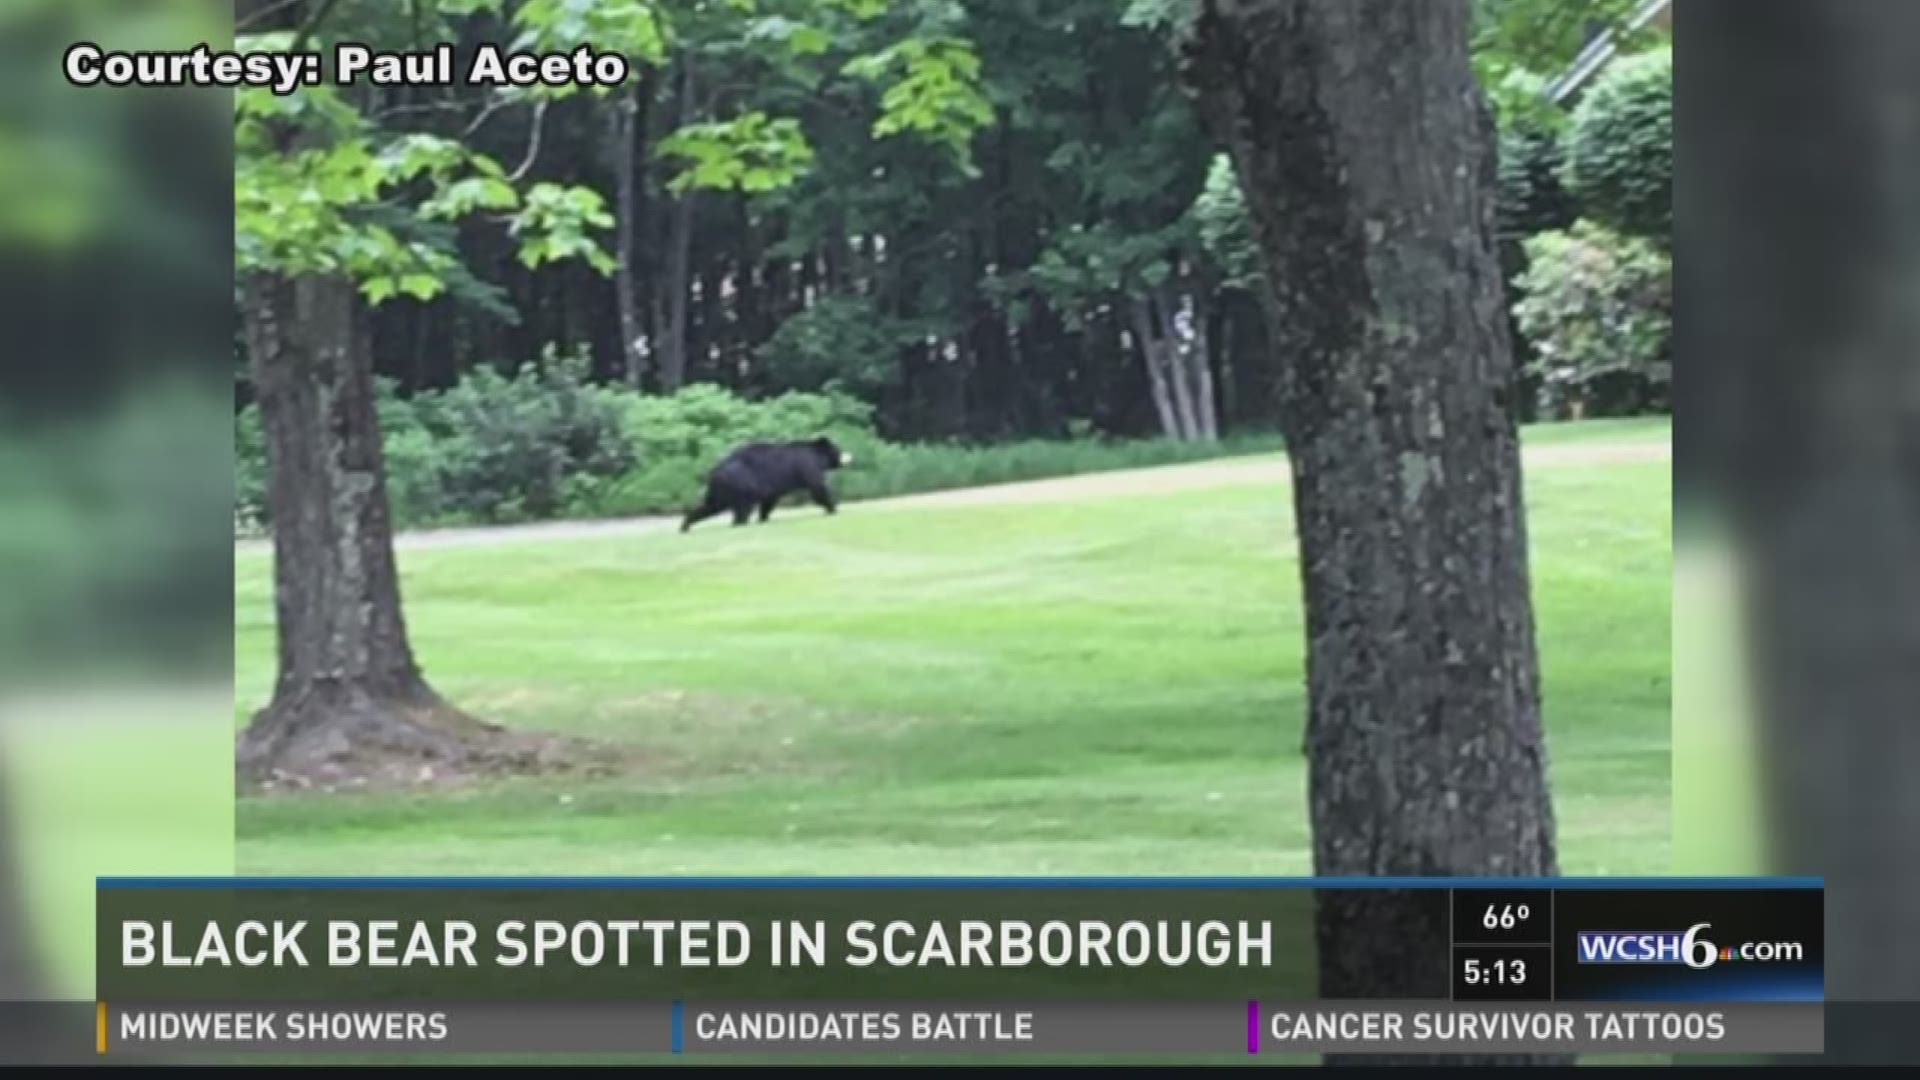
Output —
<point x="766" y="509"/>
<point x="822" y="496"/>
<point x="742" y="513"/>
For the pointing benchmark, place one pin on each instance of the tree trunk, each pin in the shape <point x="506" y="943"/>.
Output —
<point x="834" y="254"/>
<point x="1365" y="149"/>
<point x="1152" y="352"/>
<point x="671" y="299"/>
<point x="1192" y="362"/>
<point x="350" y="704"/>
<point x="630" y="153"/>
<point x="1797" y="345"/>
<point x="1197" y="357"/>
<point x="750" y="307"/>
<point x="1164" y="318"/>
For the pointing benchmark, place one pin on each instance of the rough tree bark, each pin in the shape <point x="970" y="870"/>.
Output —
<point x="1366" y="152"/>
<point x="350" y="704"/>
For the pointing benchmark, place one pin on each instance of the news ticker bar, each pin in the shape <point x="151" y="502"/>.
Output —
<point x="966" y="1028"/>
<point x="1119" y="941"/>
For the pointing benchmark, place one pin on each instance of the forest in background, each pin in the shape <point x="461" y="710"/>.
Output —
<point x="1051" y="272"/>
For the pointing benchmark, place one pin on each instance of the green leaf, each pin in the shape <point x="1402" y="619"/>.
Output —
<point x="809" y="41"/>
<point x="748" y="153"/>
<point x="862" y="10"/>
<point x="935" y="92"/>
<point x="420" y="286"/>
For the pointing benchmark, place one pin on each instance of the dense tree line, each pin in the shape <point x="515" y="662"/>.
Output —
<point x="1063" y="252"/>
<point x="1045" y="271"/>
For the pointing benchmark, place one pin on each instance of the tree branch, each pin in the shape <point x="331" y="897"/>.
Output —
<point x="533" y="143"/>
<point x="408" y="108"/>
<point x="492" y="106"/>
<point x="313" y="22"/>
<point x="263" y="14"/>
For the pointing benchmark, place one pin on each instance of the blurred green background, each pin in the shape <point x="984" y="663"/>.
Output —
<point x="115" y="478"/>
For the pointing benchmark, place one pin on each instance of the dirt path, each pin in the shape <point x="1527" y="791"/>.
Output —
<point x="1267" y="469"/>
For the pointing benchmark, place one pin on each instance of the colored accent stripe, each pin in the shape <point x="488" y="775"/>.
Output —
<point x="679" y="1026"/>
<point x="101" y="1035"/>
<point x="1253" y="1027"/>
<point x="955" y="883"/>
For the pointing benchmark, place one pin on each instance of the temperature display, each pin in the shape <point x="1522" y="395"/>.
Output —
<point x="1502" y="916"/>
<point x="1505" y="916"/>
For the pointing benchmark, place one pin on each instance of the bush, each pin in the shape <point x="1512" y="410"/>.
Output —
<point x="545" y="443"/>
<point x="509" y="448"/>
<point x="1620" y="149"/>
<point x="1531" y="197"/>
<point x="490" y="448"/>
<point x="1598" y="310"/>
<point x="681" y="436"/>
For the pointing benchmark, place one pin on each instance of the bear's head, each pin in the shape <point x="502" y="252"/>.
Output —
<point x="830" y="453"/>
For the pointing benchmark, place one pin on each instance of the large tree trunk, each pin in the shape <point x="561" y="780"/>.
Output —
<point x="1365" y="149"/>
<point x="1799" y="342"/>
<point x="350" y="704"/>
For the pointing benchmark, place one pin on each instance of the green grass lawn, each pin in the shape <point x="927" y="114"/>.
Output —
<point x="1107" y="684"/>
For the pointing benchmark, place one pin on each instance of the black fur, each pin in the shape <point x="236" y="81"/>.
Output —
<point x="757" y="476"/>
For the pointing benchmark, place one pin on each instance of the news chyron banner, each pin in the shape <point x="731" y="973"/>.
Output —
<point x="211" y="969"/>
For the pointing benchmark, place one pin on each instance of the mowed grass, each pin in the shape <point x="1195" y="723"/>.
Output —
<point x="1105" y="681"/>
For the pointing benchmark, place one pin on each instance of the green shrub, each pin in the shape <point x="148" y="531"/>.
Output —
<point x="1531" y="196"/>
<point x="508" y="448"/>
<point x="682" y="435"/>
<point x="704" y="419"/>
<point x="546" y="443"/>
<point x="1598" y="310"/>
<point x="1620" y="149"/>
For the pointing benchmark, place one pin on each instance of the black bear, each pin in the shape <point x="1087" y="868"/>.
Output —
<point x="759" y="475"/>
